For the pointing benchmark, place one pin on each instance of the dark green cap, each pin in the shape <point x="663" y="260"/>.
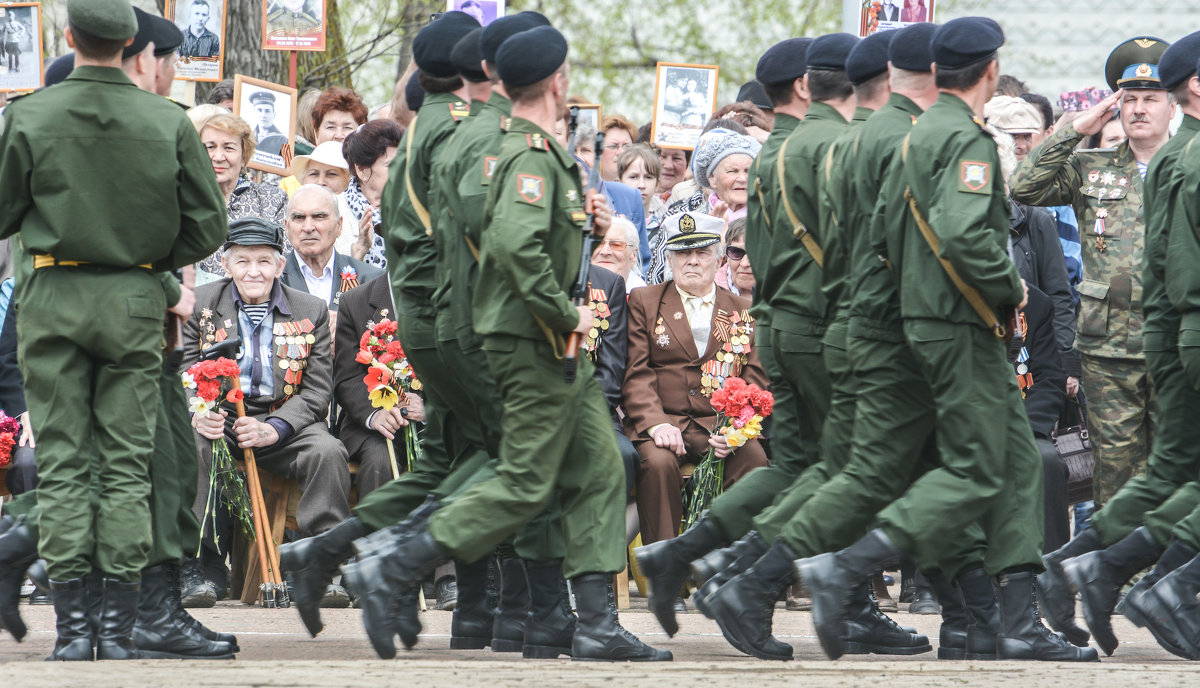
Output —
<point x="111" y="20"/>
<point x="254" y="231"/>
<point x="1134" y="64"/>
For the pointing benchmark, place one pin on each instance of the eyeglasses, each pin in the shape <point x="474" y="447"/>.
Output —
<point x="617" y="146"/>
<point x="735" y="252"/>
<point x="617" y="245"/>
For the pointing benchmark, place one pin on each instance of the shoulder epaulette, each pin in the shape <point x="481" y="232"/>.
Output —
<point x="537" y="142"/>
<point x="459" y="110"/>
<point x="172" y="100"/>
<point x="505" y="123"/>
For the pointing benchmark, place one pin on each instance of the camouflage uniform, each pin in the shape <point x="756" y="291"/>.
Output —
<point x="1105" y="189"/>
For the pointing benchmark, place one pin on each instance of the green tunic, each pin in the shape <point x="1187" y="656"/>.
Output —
<point x="762" y="211"/>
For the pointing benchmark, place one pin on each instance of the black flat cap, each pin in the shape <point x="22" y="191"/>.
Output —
<point x="1134" y="63"/>
<point x="869" y="58"/>
<point x="167" y="36"/>
<point x="145" y="34"/>
<point x="829" y="52"/>
<point x="753" y="91"/>
<point x="502" y="29"/>
<point x="1178" y="62"/>
<point x="414" y="95"/>
<point x="910" y="48"/>
<point x="466" y="57"/>
<point x="964" y="41"/>
<point x="58" y="70"/>
<point x="783" y="62"/>
<point x="435" y="42"/>
<point x="530" y="56"/>
<point x="254" y="231"/>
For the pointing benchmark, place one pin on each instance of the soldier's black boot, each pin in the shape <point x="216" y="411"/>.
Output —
<point x="1099" y="576"/>
<point x="732" y="561"/>
<point x="952" y="638"/>
<point x="18" y="550"/>
<point x="744" y="606"/>
<point x="833" y="576"/>
<point x="175" y="600"/>
<point x="508" y="631"/>
<point x="551" y="625"/>
<point x="978" y="596"/>
<point x="1171" y="612"/>
<point x="1054" y="591"/>
<point x="118" y="613"/>
<point x="1022" y="635"/>
<point x="74" y="643"/>
<point x="667" y="563"/>
<point x="921" y="599"/>
<point x="599" y="636"/>
<point x="868" y="630"/>
<point x="386" y="538"/>
<point x="312" y="562"/>
<point x="160" y="634"/>
<point x="471" y="625"/>
<point x="1177" y="554"/>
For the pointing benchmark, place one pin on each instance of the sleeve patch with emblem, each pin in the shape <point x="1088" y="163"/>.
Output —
<point x="531" y="188"/>
<point x="489" y="167"/>
<point x="974" y="177"/>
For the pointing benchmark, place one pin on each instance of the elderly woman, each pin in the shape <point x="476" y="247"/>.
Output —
<point x="337" y="113"/>
<point x="618" y="252"/>
<point x="676" y="168"/>
<point x="369" y="151"/>
<point x="230" y="143"/>
<point x="722" y="162"/>
<point x="736" y="275"/>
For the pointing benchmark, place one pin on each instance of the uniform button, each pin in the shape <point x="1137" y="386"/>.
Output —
<point x="691" y="392"/>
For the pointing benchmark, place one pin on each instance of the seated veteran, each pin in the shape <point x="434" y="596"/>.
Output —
<point x="314" y="224"/>
<point x="326" y="167"/>
<point x="362" y="427"/>
<point x="286" y="377"/>
<point x="686" y="336"/>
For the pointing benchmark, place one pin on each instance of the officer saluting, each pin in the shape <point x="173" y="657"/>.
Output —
<point x="93" y="252"/>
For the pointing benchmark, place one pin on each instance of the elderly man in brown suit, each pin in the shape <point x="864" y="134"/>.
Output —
<point x="686" y="337"/>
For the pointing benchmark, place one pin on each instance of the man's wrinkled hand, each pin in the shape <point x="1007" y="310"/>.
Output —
<point x="720" y="446"/>
<point x="210" y="425"/>
<point x="669" y="437"/>
<point x="251" y="433"/>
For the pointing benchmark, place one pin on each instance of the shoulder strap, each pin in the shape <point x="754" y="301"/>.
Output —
<point x="798" y="227"/>
<point x="422" y="213"/>
<point x="758" y="189"/>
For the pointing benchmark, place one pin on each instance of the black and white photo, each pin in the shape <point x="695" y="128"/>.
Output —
<point x="685" y="97"/>
<point x="270" y="110"/>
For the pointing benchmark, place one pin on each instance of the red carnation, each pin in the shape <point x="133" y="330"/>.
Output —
<point x="234" y="396"/>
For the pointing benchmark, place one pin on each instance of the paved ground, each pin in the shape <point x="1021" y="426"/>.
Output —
<point x="278" y="652"/>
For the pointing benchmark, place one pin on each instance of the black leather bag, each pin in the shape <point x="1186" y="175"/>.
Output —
<point x="1075" y="447"/>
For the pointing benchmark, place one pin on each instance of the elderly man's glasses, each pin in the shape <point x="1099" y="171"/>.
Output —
<point x="617" y="244"/>
<point x="735" y="252"/>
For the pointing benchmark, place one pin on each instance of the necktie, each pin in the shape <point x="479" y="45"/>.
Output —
<point x="699" y="324"/>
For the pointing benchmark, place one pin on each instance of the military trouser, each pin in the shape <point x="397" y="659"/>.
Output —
<point x="990" y="469"/>
<point x="1122" y="418"/>
<point x="1175" y="457"/>
<point x="1173" y="519"/>
<point x="173" y="477"/>
<point x="557" y="443"/>
<point x="801" y="388"/>
<point x="92" y="391"/>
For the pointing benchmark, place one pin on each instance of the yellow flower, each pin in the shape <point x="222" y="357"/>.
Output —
<point x="735" y="439"/>
<point x="383" y="398"/>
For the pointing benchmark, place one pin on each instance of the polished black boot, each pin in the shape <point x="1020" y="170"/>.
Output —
<point x="508" y="632"/>
<point x="744" y="607"/>
<point x="1054" y="591"/>
<point x="868" y="630"/>
<point x="198" y="592"/>
<point x="921" y="599"/>
<point x="417" y="520"/>
<point x="741" y="556"/>
<point x="599" y="636"/>
<point x="1172" y="613"/>
<point x="174" y="599"/>
<point x="978" y="596"/>
<point x="952" y="637"/>
<point x="471" y="626"/>
<point x="1022" y="635"/>
<point x="74" y="641"/>
<point x="551" y="625"/>
<point x="312" y="562"/>
<point x="118" y="613"/>
<point x="18" y="550"/>
<point x="833" y="576"/>
<point x="159" y="634"/>
<point x="1177" y="554"/>
<point x="1099" y="576"/>
<point x="667" y="563"/>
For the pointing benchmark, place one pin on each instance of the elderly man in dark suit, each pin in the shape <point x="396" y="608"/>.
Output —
<point x="286" y="376"/>
<point x="313" y="226"/>
<point x="686" y="337"/>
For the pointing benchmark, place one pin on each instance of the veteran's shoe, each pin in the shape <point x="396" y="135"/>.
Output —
<point x="198" y="591"/>
<point x="1099" y="576"/>
<point x="74" y="642"/>
<point x="159" y="634"/>
<point x="1055" y="597"/>
<point x="550" y="629"/>
<point x="1171" y="612"/>
<point x="508" y="632"/>
<point x="868" y="630"/>
<point x="666" y="565"/>
<point x="445" y="594"/>
<point x="1022" y="634"/>
<point x="18" y="550"/>
<point x="118" y="613"/>
<point x="312" y="562"/>
<point x="599" y="636"/>
<point x="175" y="601"/>
<point x="1177" y="554"/>
<point x="744" y="607"/>
<point x="739" y="556"/>
<point x="471" y="625"/>
<point x="335" y="597"/>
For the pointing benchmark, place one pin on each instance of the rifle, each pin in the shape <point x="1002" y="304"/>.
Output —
<point x="579" y="291"/>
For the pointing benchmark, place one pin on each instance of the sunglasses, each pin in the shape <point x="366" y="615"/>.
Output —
<point x="735" y="252"/>
<point x="617" y="245"/>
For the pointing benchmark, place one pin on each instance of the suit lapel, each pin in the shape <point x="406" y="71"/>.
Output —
<point x="672" y="312"/>
<point x="335" y="294"/>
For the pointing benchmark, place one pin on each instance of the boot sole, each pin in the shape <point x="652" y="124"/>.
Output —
<point x="544" y="652"/>
<point x="650" y="569"/>
<point x="469" y="643"/>
<point x="952" y="653"/>
<point x="667" y="658"/>
<point x="155" y="654"/>
<point x="977" y="657"/>
<point x="866" y="649"/>
<point x="502" y="645"/>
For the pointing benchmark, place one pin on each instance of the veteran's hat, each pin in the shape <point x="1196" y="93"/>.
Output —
<point x="145" y="34"/>
<point x="501" y="29"/>
<point x="692" y="230"/>
<point x="254" y="231"/>
<point x="112" y="20"/>
<point x="1134" y="63"/>
<point x="167" y="36"/>
<point x="434" y="43"/>
<point x="753" y="92"/>
<point x="965" y="41"/>
<point x="869" y="58"/>
<point x="783" y="62"/>
<point x="530" y="56"/>
<point x="909" y="49"/>
<point x="1178" y="62"/>
<point x="1012" y="115"/>
<point x="829" y="52"/>
<point x="262" y="97"/>
<point x="467" y="59"/>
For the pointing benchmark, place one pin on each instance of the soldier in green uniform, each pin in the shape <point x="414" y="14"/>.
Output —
<point x="557" y="436"/>
<point x="1105" y="187"/>
<point x="1174" y="460"/>
<point x="68" y="276"/>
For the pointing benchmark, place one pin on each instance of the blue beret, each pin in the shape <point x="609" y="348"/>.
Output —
<point x="910" y="48"/>
<point x="829" y="52"/>
<point x="502" y="29"/>
<point x="112" y="20"/>
<point x="145" y="34"/>
<point x="783" y="62"/>
<point x="1134" y="63"/>
<point x="530" y="56"/>
<point x="59" y="69"/>
<point x="414" y="95"/>
<point x="254" y="231"/>
<point x="869" y="58"/>
<point x="433" y="44"/>
<point x="964" y="41"/>
<point x="466" y="57"/>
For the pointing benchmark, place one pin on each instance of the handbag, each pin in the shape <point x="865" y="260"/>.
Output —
<point x="1075" y="448"/>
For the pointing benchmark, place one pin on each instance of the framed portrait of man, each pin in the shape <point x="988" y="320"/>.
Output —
<point x="293" y="25"/>
<point x="484" y="11"/>
<point x="201" y="57"/>
<point x="685" y="96"/>
<point x="20" y="47"/>
<point x="589" y="113"/>
<point x="270" y="110"/>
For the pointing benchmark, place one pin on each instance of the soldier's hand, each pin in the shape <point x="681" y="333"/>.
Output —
<point x="26" y="439"/>
<point x="585" y="319"/>
<point x="211" y="426"/>
<point x="1072" y="386"/>
<point x="252" y="433"/>
<point x="669" y="437"/>
<point x="187" y="301"/>
<point x="597" y="205"/>
<point x="720" y="446"/>
<point x="1092" y="121"/>
<point x="1024" y="296"/>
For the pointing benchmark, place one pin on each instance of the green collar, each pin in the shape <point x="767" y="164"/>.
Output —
<point x="528" y="128"/>
<point x="824" y="111"/>
<point x="110" y="75"/>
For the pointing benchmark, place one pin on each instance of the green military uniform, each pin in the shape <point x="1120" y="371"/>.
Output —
<point x="108" y="368"/>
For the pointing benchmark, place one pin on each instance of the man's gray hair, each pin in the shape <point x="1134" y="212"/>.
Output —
<point x="322" y="191"/>
<point x="631" y="236"/>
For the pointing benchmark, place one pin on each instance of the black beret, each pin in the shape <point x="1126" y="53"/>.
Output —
<point x="964" y="41"/>
<point x="869" y="58"/>
<point x="910" y="48"/>
<point x="414" y="95"/>
<point x="530" y="56"/>
<point x="145" y="34"/>
<point x="1134" y="63"/>
<point x="829" y="52"/>
<point x="167" y="36"/>
<point x="756" y="94"/>
<point x="58" y="70"/>
<point x="466" y="57"/>
<point x="433" y="44"/>
<point x="537" y="18"/>
<point x="500" y="30"/>
<point x="783" y="62"/>
<point x="1178" y="63"/>
<point x="254" y="231"/>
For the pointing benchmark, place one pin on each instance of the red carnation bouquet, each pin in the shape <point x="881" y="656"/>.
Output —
<point x="741" y="409"/>
<point x="206" y="380"/>
<point x="389" y="377"/>
<point x="10" y="430"/>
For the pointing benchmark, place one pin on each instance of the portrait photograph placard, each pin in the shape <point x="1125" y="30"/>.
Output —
<point x="589" y="113"/>
<point x="270" y="110"/>
<point x="293" y="25"/>
<point x="20" y="47"/>
<point x="202" y="54"/>
<point x="685" y="96"/>
<point x="485" y="11"/>
<point x="886" y="15"/>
